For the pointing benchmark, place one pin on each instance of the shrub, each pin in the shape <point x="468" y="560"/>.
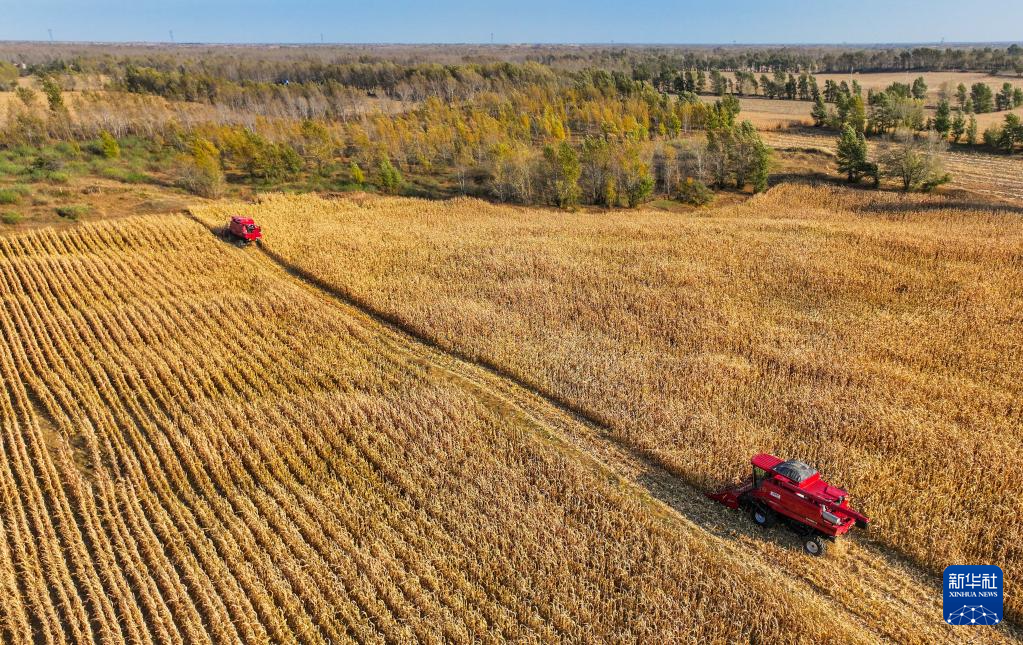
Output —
<point x="111" y="172"/>
<point x="914" y="161"/>
<point x="26" y="95"/>
<point x="389" y="177"/>
<point x="108" y="145"/>
<point x="264" y="160"/>
<point x="201" y="174"/>
<point x="10" y="168"/>
<point x="8" y="196"/>
<point x="8" y="73"/>
<point x="53" y="95"/>
<point x="201" y="179"/>
<point x="991" y="136"/>
<point x="47" y="163"/>
<point x="73" y="212"/>
<point x="358" y="176"/>
<point x="49" y="167"/>
<point x="68" y="149"/>
<point x="126" y="175"/>
<point x="11" y="218"/>
<point x="695" y="192"/>
<point x="136" y="177"/>
<point x="639" y="191"/>
<point x="25" y="129"/>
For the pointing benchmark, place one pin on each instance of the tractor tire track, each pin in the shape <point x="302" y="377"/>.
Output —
<point x="888" y="583"/>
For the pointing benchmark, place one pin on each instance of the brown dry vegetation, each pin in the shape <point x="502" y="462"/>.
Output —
<point x="993" y="176"/>
<point x="121" y="112"/>
<point x="105" y="199"/>
<point x="876" y="335"/>
<point x="775" y="114"/>
<point x="112" y="110"/>
<point x="195" y="446"/>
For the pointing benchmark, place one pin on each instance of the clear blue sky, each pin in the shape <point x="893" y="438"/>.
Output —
<point x="580" y="21"/>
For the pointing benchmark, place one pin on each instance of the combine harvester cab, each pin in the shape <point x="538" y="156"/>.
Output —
<point x="244" y="230"/>
<point x="793" y="493"/>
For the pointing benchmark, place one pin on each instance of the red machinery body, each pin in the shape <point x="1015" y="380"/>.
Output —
<point x="793" y="492"/>
<point x="245" y="229"/>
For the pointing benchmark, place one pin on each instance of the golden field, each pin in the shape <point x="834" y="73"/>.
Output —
<point x="197" y="447"/>
<point x="203" y="443"/>
<point x="877" y="336"/>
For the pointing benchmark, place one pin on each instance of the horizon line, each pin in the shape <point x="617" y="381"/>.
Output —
<point x="177" y="43"/>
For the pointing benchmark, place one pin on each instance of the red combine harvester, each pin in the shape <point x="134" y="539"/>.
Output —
<point x="793" y="493"/>
<point x="244" y="229"/>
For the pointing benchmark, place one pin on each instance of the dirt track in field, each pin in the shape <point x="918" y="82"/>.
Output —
<point x="888" y="597"/>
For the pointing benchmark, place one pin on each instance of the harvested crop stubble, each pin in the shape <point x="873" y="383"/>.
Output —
<point x="877" y="336"/>
<point x="998" y="176"/>
<point x="195" y="447"/>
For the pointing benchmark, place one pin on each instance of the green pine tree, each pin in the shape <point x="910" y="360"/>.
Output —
<point x="108" y="145"/>
<point x="53" y="95"/>
<point x="819" y="112"/>
<point x="919" y="89"/>
<point x="971" y="131"/>
<point x="958" y="126"/>
<point x="852" y="153"/>
<point x="356" y="173"/>
<point x="389" y="177"/>
<point x="942" y="118"/>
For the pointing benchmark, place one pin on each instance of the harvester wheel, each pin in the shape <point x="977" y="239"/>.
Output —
<point x="763" y="517"/>
<point x="814" y="545"/>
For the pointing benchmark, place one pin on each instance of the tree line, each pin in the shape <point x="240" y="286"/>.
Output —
<point x="336" y="92"/>
<point x="315" y="63"/>
<point x="603" y="139"/>
<point x="900" y="106"/>
<point x="606" y="126"/>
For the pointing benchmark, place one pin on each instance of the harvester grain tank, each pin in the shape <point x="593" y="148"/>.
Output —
<point x="792" y="493"/>
<point x="244" y="230"/>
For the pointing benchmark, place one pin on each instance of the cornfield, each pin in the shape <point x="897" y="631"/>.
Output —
<point x="196" y="446"/>
<point x="876" y="336"/>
